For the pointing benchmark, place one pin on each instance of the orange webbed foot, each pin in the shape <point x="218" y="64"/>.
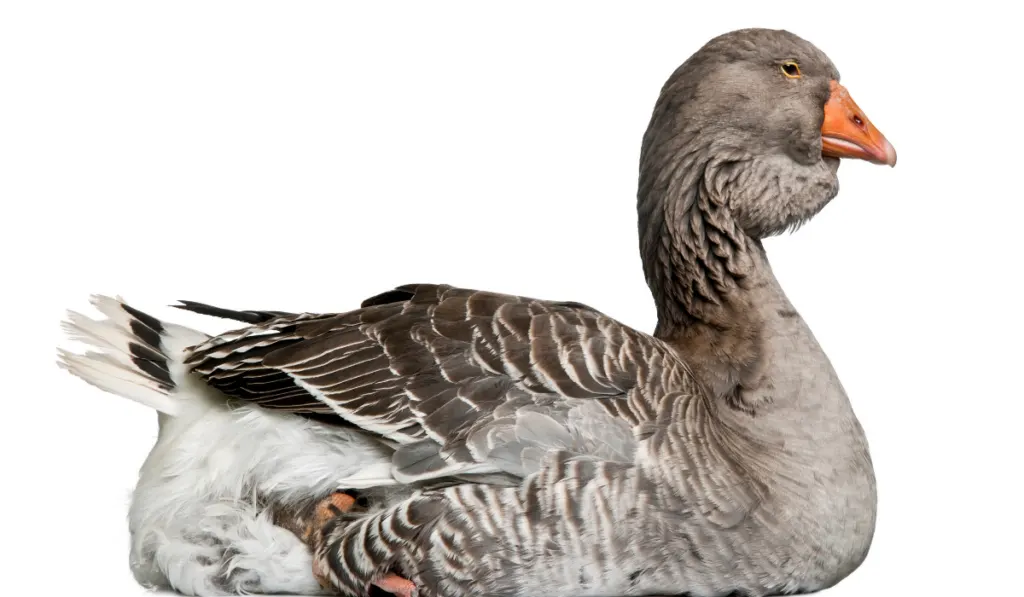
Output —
<point x="334" y="505"/>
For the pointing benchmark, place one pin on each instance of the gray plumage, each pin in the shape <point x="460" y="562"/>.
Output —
<point x="543" y="448"/>
<point x="462" y="381"/>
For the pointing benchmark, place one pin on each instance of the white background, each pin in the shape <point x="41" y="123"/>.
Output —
<point x="303" y="156"/>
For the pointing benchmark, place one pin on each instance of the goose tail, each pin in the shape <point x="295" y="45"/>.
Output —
<point x="132" y="354"/>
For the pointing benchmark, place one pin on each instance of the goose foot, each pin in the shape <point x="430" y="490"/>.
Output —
<point x="396" y="585"/>
<point x="335" y="505"/>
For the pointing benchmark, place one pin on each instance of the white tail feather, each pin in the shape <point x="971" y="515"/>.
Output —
<point x="99" y="334"/>
<point x="115" y="366"/>
<point x="111" y="307"/>
<point x="98" y="370"/>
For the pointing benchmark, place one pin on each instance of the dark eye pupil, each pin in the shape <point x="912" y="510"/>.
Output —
<point x="791" y="69"/>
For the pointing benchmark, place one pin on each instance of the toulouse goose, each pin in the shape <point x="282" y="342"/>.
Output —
<point x="503" y="445"/>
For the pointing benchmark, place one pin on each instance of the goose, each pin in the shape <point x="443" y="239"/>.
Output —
<point x="450" y="441"/>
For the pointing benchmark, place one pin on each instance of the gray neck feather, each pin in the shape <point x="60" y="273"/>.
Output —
<point x="697" y="257"/>
<point x="704" y="200"/>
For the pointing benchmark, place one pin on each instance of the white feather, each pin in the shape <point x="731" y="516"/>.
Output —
<point x="376" y="474"/>
<point x="110" y="374"/>
<point x="193" y="520"/>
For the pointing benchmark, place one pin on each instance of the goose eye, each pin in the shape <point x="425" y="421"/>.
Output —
<point x="791" y="70"/>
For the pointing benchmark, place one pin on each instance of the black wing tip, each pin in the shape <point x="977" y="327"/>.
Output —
<point x="395" y="295"/>
<point x="243" y="316"/>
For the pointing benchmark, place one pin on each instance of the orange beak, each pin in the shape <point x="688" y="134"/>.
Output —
<point x="847" y="132"/>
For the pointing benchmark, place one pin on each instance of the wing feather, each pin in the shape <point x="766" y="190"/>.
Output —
<point x="462" y="381"/>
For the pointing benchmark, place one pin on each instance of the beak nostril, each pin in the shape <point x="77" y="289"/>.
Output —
<point x="858" y="120"/>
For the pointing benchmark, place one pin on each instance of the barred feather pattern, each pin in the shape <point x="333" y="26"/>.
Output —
<point x="457" y="379"/>
<point x="570" y="454"/>
<point x="689" y="514"/>
<point x="579" y="526"/>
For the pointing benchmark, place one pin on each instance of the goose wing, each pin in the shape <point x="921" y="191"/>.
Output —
<point x="460" y="381"/>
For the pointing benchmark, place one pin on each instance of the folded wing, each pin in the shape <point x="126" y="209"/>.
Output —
<point x="461" y="381"/>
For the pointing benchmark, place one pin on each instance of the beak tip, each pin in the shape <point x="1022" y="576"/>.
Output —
<point x="890" y="154"/>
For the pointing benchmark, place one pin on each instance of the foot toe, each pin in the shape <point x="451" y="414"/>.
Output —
<point x="335" y="504"/>
<point x="396" y="585"/>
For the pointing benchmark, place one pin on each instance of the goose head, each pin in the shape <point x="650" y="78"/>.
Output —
<point x="759" y="119"/>
<point x="744" y="142"/>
